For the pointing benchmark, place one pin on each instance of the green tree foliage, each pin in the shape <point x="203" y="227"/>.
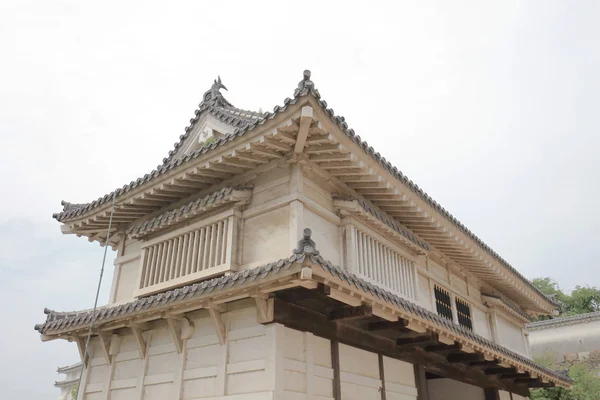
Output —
<point x="74" y="392"/>
<point x="585" y="375"/>
<point x="583" y="299"/>
<point x="586" y="384"/>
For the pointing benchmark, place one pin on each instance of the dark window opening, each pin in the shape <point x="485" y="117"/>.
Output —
<point x="463" y="311"/>
<point x="443" y="303"/>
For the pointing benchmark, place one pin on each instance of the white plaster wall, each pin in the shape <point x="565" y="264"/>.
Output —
<point x="438" y="271"/>
<point x="326" y="235"/>
<point x="360" y="377"/>
<point x="265" y="237"/>
<point x="481" y="325"/>
<point x="307" y="367"/>
<point x="270" y="185"/>
<point x="316" y="190"/>
<point x="242" y="368"/>
<point x="563" y="340"/>
<point x="448" y="389"/>
<point x="128" y="276"/>
<point x="399" y="380"/>
<point x="424" y="292"/>
<point x="511" y="335"/>
<point x="459" y="284"/>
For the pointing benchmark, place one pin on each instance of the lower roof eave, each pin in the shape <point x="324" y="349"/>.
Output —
<point x="306" y="268"/>
<point x="349" y="285"/>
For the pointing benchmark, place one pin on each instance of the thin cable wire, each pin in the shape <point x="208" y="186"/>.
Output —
<point x="87" y="342"/>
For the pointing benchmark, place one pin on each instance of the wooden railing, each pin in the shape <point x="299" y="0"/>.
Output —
<point x="370" y="258"/>
<point x="187" y="255"/>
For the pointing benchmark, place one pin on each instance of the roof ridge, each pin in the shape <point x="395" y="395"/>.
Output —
<point x="567" y="320"/>
<point x="179" y="213"/>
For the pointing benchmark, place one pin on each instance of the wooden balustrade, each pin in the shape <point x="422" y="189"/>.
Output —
<point x="370" y="258"/>
<point x="187" y="256"/>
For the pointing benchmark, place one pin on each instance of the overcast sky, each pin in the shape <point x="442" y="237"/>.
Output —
<point x="491" y="107"/>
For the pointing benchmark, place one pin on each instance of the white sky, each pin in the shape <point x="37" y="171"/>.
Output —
<point x="491" y="107"/>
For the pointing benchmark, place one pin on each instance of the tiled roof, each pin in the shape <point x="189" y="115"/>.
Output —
<point x="508" y="303"/>
<point x="68" y="368"/>
<point x="56" y="322"/>
<point x="191" y="209"/>
<point x="383" y="217"/>
<point x="564" y="321"/>
<point x="247" y="121"/>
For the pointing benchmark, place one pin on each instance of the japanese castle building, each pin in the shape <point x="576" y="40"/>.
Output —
<point x="277" y="256"/>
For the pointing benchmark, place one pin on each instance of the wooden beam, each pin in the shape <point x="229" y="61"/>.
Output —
<point x="306" y="118"/>
<point x="443" y="348"/>
<point x="350" y="313"/>
<point x="484" y="363"/>
<point x="463" y="357"/>
<point x="416" y="341"/>
<point x="514" y="375"/>
<point x="383" y="325"/>
<point x="500" y="371"/>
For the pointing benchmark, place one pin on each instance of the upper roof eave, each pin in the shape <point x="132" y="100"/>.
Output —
<point x="305" y="89"/>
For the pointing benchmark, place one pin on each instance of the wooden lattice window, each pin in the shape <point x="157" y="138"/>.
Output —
<point x="463" y="312"/>
<point x="443" y="303"/>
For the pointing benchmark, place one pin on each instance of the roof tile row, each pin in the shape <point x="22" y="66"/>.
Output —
<point x="57" y="322"/>
<point x="191" y="209"/>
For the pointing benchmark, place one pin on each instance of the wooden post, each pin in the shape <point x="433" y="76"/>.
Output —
<point x="382" y="377"/>
<point x="335" y="363"/>
<point x="421" y="383"/>
<point x="491" y="394"/>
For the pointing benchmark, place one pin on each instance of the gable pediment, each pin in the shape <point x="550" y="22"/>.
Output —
<point x="205" y="131"/>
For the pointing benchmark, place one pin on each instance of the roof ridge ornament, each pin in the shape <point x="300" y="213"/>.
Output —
<point x="306" y="244"/>
<point x="304" y="84"/>
<point x="213" y="95"/>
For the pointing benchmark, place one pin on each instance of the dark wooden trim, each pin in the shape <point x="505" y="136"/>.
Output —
<point x="421" y="382"/>
<point x="463" y="357"/>
<point x="500" y="371"/>
<point x="491" y="394"/>
<point x="382" y="325"/>
<point x="335" y="364"/>
<point x="347" y="313"/>
<point x="382" y="377"/>
<point x="294" y="316"/>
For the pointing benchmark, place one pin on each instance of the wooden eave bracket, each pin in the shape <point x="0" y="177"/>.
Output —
<point x="215" y="315"/>
<point x="105" y="346"/>
<point x="81" y="342"/>
<point x="265" y="307"/>
<point x="139" y="339"/>
<point x="181" y="329"/>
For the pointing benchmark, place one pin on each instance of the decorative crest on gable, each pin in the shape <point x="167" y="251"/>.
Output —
<point x="305" y="83"/>
<point x="213" y="95"/>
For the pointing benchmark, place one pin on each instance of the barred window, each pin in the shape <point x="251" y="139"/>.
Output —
<point x="443" y="303"/>
<point x="463" y="311"/>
